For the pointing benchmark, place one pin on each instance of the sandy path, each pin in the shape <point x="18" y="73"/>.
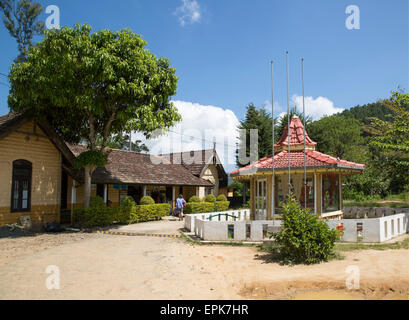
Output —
<point x="117" y="267"/>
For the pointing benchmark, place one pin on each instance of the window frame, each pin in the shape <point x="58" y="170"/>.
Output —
<point x="25" y="165"/>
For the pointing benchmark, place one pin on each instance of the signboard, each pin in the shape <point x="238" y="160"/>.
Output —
<point x="120" y="186"/>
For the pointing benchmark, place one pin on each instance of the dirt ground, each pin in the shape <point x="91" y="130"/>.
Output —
<point x="96" y="266"/>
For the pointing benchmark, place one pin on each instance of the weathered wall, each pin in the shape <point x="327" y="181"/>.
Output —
<point x="46" y="174"/>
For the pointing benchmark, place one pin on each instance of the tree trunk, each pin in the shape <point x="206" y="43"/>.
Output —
<point x="87" y="186"/>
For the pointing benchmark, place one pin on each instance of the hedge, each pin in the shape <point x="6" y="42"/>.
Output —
<point x="221" y="197"/>
<point x="210" y="198"/>
<point x="202" y="207"/>
<point x="150" y="212"/>
<point x="128" y="212"/>
<point x="194" y="199"/>
<point x="198" y="207"/>
<point x="221" y="205"/>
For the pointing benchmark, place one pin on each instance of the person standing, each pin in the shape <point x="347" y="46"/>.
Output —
<point x="180" y="204"/>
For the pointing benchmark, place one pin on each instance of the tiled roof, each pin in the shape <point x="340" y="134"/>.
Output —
<point x="194" y="161"/>
<point x="8" y="119"/>
<point x="127" y="167"/>
<point x="314" y="159"/>
<point x="296" y="134"/>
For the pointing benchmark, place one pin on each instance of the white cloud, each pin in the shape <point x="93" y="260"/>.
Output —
<point x="316" y="108"/>
<point x="199" y="127"/>
<point x="188" y="12"/>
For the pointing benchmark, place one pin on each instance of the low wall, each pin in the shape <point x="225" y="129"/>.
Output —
<point x="236" y="230"/>
<point x="373" y="230"/>
<point x="368" y="212"/>
<point x="241" y="215"/>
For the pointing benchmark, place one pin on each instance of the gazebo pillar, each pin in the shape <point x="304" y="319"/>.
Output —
<point x="269" y="197"/>
<point x="341" y="205"/>
<point x="252" y="202"/>
<point x="318" y="193"/>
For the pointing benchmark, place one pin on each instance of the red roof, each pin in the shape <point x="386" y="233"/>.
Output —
<point x="314" y="159"/>
<point x="296" y="134"/>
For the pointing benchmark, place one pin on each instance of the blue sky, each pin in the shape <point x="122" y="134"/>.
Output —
<point x="222" y="59"/>
<point x="222" y="50"/>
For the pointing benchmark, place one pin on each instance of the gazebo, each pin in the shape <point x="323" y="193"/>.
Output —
<point x="323" y="177"/>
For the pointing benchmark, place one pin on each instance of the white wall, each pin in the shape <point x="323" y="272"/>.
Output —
<point x="373" y="230"/>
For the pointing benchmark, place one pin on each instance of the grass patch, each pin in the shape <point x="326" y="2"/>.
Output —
<point x="376" y="203"/>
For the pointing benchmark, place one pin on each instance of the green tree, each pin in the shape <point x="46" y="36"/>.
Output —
<point x="20" y="20"/>
<point x="261" y="120"/>
<point x="237" y="187"/>
<point x="390" y="141"/>
<point x="121" y="141"/>
<point x="339" y="136"/>
<point x="94" y="85"/>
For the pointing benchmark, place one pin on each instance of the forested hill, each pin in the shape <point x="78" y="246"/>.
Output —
<point x="362" y="113"/>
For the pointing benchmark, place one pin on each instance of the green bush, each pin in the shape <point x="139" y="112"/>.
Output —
<point x="221" y="206"/>
<point x="96" y="216"/>
<point x="96" y="202"/>
<point x="303" y="237"/>
<point x="146" y="200"/>
<point x="149" y="212"/>
<point x="198" y="207"/>
<point x="194" y="199"/>
<point x="128" y="212"/>
<point x="210" y="198"/>
<point x="127" y="202"/>
<point x="221" y="197"/>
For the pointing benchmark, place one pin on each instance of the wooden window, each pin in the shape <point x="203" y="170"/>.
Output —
<point x="21" y="186"/>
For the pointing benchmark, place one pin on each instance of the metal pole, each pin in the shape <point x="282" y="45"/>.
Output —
<point x="289" y="116"/>
<point x="130" y="140"/>
<point x="305" y="152"/>
<point x="272" y="156"/>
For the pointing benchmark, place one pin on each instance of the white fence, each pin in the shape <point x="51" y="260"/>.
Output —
<point x="257" y="230"/>
<point x="221" y="226"/>
<point x="372" y="230"/>
<point x="240" y="215"/>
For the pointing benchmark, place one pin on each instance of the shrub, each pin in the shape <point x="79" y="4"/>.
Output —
<point x="221" y="205"/>
<point x="221" y="197"/>
<point x="210" y="198"/>
<point x="127" y="202"/>
<point x="303" y="237"/>
<point x="198" y="207"/>
<point x="96" y="202"/>
<point x="96" y="216"/>
<point x="149" y="212"/>
<point x="194" y="199"/>
<point x="146" y="200"/>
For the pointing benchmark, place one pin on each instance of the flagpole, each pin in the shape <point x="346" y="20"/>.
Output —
<point x="289" y="116"/>
<point x="305" y="152"/>
<point x="272" y="156"/>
